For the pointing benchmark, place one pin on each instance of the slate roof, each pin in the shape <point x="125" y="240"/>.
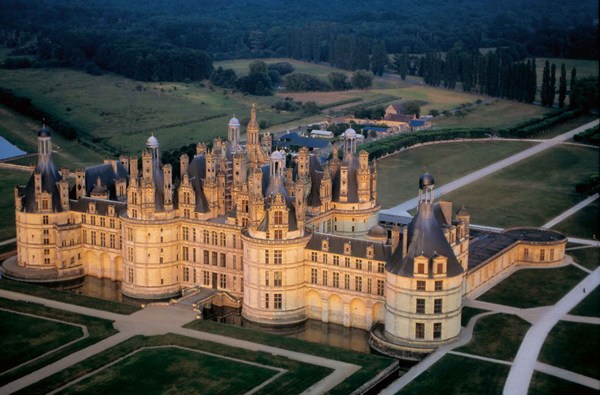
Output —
<point x="197" y="174"/>
<point x="351" y="161"/>
<point x="415" y="123"/>
<point x="358" y="249"/>
<point x="8" y="150"/>
<point x="277" y="185"/>
<point x="50" y="178"/>
<point x="107" y="178"/>
<point x="82" y="205"/>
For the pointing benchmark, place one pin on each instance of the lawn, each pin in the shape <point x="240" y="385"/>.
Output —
<point x="98" y="329"/>
<point x="8" y="180"/>
<point x="573" y="346"/>
<point x="586" y="257"/>
<point x="544" y="384"/>
<point x="530" y="192"/>
<point x="454" y="374"/>
<point x="550" y="286"/>
<point x="398" y="175"/>
<point x="371" y="364"/>
<point x="585" y="223"/>
<point x="590" y="306"/>
<point x="468" y="313"/>
<point x="24" y="337"/>
<point x="160" y="370"/>
<point x="67" y="297"/>
<point x="497" y="336"/>
<point x="299" y="377"/>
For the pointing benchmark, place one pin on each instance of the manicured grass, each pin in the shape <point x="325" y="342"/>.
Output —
<point x="24" y="338"/>
<point x="534" y="287"/>
<point x="590" y="306"/>
<point x="573" y="346"/>
<point x="98" y="329"/>
<point x="468" y="313"/>
<point x="8" y="180"/>
<point x="372" y="364"/>
<point x="565" y="127"/>
<point x="530" y="192"/>
<point x="544" y="384"/>
<point x="586" y="257"/>
<point x="585" y="223"/>
<point x="156" y="371"/>
<point x="459" y="375"/>
<point x="240" y="66"/>
<point x="398" y="175"/>
<point x="299" y="378"/>
<point x="497" y="336"/>
<point x="67" y="297"/>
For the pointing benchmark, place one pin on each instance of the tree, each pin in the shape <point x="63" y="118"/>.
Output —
<point x="585" y="94"/>
<point x="338" y="81"/>
<point x="413" y="107"/>
<point x="552" y="90"/>
<point x="572" y="99"/>
<point x="403" y="66"/>
<point x="362" y="79"/>
<point x="545" y="84"/>
<point x="378" y="57"/>
<point x="562" y="86"/>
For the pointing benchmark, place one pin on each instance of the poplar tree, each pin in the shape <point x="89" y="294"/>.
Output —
<point x="552" y="89"/>
<point x="545" y="84"/>
<point x="562" y="86"/>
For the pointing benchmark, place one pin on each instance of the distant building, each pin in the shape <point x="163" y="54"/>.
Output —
<point x="283" y="243"/>
<point x="292" y="139"/>
<point x="322" y="134"/>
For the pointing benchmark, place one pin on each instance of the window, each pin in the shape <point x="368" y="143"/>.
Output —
<point x="130" y="274"/>
<point x="552" y="254"/>
<point x="526" y="253"/>
<point x="313" y="256"/>
<point x="542" y="255"/>
<point x="102" y="221"/>
<point x="266" y="301"/>
<point x="325" y="277"/>
<point x="223" y="259"/>
<point x="346" y="281"/>
<point x="336" y="280"/>
<point x="129" y="234"/>
<point x="222" y="281"/>
<point x="277" y="279"/>
<point x="421" y="268"/>
<point x="47" y="251"/>
<point x="185" y="253"/>
<point x="421" y="285"/>
<point x="130" y="254"/>
<point x="346" y="262"/>
<point x="205" y="237"/>
<point x="359" y="264"/>
<point x="336" y="260"/>
<point x="440" y="268"/>
<point x="215" y="257"/>
<point x="112" y="241"/>
<point x="112" y="222"/>
<point x="439" y="285"/>
<point x="437" y="330"/>
<point x="277" y="301"/>
<point x="420" y="306"/>
<point x="46" y="261"/>
<point x="324" y="258"/>
<point x="358" y="284"/>
<point x="278" y="217"/>
<point x="83" y="218"/>
<point x="420" y="330"/>
<point x="267" y="257"/>
<point x="277" y="257"/>
<point x="93" y="220"/>
<point x="369" y="285"/>
<point x="214" y="238"/>
<point x="93" y="238"/>
<point x="437" y="306"/>
<point x="235" y="262"/>
<point x="380" y="287"/>
<point x="186" y="274"/>
<point x="266" y="278"/>
<point x="234" y="241"/>
<point x="380" y="267"/>
<point x="206" y="257"/>
<point x="185" y="233"/>
<point x="45" y="219"/>
<point x="206" y="277"/>
<point x="103" y="239"/>
<point x="278" y="234"/>
<point x="194" y="253"/>
<point x="313" y="276"/>
<point x="223" y="240"/>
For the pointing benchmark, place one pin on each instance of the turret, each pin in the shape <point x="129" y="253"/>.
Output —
<point x="147" y="167"/>
<point x="63" y="187"/>
<point x="233" y="133"/>
<point x="184" y="162"/>
<point x="133" y="167"/>
<point x="167" y="188"/>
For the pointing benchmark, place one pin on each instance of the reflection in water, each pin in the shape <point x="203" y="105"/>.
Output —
<point x="310" y="330"/>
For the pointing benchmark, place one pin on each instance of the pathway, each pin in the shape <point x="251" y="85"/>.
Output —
<point x="524" y="364"/>
<point x="469" y="178"/>
<point x="159" y="320"/>
<point x="570" y="211"/>
<point x="9" y="241"/>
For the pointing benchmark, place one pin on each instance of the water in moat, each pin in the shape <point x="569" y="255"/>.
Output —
<point x="310" y="330"/>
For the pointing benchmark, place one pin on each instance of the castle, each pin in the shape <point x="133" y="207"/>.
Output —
<point x="289" y="240"/>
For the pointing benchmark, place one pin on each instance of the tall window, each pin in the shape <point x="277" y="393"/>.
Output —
<point x="420" y="306"/>
<point x="222" y="281"/>
<point x="206" y="260"/>
<point x="277" y="301"/>
<point x="223" y="259"/>
<point x="421" y="285"/>
<point x="313" y="276"/>
<point x="437" y="306"/>
<point x="420" y="330"/>
<point x="112" y="241"/>
<point x="336" y="260"/>
<point x="278" y="234"/>
<point x="380" y="267"/>
<point x="45" y="219"/>
<point x="421" y="268"/>
<point x="336" y="280"/>
<point x="266" y="301"/>
<point x="186" y="274"/>
<point x="278" y="217"/>
<point x="277" y="257"/>
<point x="359" y="264"/>
<point x="94" y="237"/>
<point x="103" y="239"/>
<point x="223" y="239"/>
<point x="542" y="255"/>
<point x="130" y="274"/>
<point x="313" y="256"/>
<point x="380" y="287"/>
<point x="437" y="330"/>
<point x="215" y="257"/>
<point x="369" y="285"/>
<point x="206" y="277"/>
<point x="526" y="253"/>
<point x="266" y="278"/>
<point x="205" y="237"/>
<point x="346" y="262"/>
<point x="130" y="254"/>
<point x="185" y="253"/>
<point x="439" y="285"/>
<point x="325" y="277"/>
<point x="346" y="281"/>
<point x="324" y="258"/>
<point x="185" y="233"/>
<point x="277" y="279"/>
<point x="358" y="283"/>
<point x="267" y="257"/>
<point x="234" y="241"/>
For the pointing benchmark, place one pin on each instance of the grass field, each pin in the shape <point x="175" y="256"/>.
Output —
<point x="551" y="286"/>
<point x="497" y="336"/>
<point x="573" y="346"/>
<point x="24" y="338"/>
<point x="459" y="375"/>
<point x="587" y="257"/>
<point x="98" y="329"/>
<point x="585" y="223"/>
<point x="371" y="364"/>
<point x="160" y="370"/>
<point x="544" y="384"/>
<point x="299" y="377"/>
<point x="530" y="192"/>
<point x="67" y="297"/>
<point x="8" y="180"/>
<point x="585" y="68"/>
<point x="590" y="306"/>
<point x="468" y="313"/>
<point x="398" y="175"/>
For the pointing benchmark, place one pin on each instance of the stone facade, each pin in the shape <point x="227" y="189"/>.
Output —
<point x="291" y="242"/>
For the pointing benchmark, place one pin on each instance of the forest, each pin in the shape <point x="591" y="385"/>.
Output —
<point x="176" y="40"/>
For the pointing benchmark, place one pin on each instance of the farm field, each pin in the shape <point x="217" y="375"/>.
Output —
<point x="530" y="192"/>
<point x="398" y="174"/>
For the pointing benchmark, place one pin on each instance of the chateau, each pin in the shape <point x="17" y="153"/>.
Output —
<point x="287" y="240"/>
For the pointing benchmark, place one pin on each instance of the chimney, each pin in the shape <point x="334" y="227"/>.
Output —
<point x="404" y="240"/>
<point x="395" y="237"/>
<point x="133" y="167"/>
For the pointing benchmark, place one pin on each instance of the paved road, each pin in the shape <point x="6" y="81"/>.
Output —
<point x="159" y="320"/>
<point x="469" y="178"/>
<point x="570" y="211"/>
<point x="524" y="364"/>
